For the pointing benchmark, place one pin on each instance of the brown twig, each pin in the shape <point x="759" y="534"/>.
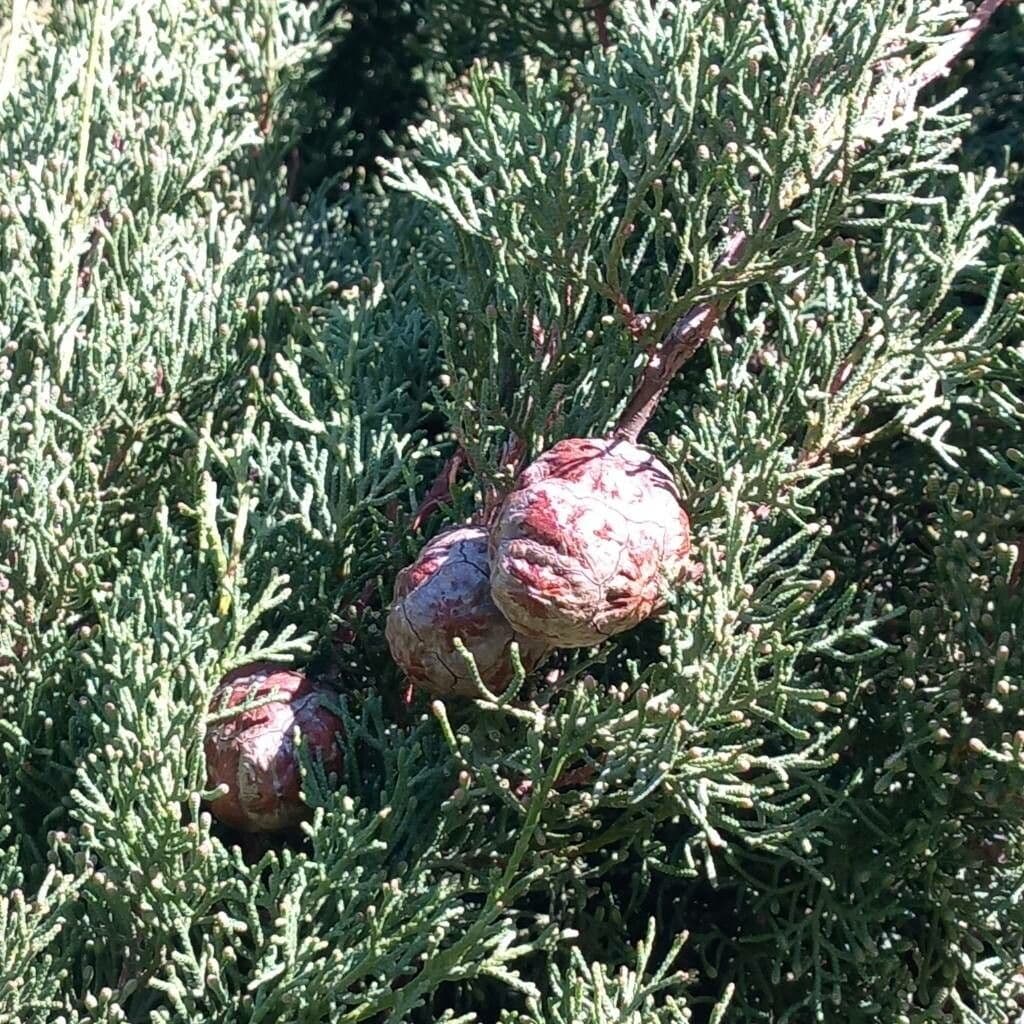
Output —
<point x="569" y="778"/>
<point x="678" y="346"/>
<point x="89" y="258"/>
<point x="263" y="118"/>
<point x="688" y="333"/>
<point x="601" y="21"/>
<point x="1017" y="572"/>
<point x="440" y="490"/>
<point x="942" y="61"/>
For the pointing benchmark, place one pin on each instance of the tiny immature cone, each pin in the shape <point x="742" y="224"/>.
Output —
<point x="254" y="752"/>
<point x="584" y="545"/>
<point x="444" y="595"/>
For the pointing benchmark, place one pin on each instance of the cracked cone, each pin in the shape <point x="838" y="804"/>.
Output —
<point x="254" y="753"/>
<point x="584" y="545"/>
<point x="445" y="594"/>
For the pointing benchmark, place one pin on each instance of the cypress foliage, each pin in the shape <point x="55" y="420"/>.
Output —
<point x="242" y="382"/>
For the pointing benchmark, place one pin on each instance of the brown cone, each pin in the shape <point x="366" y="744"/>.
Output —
<point x="584" y="546"/>
<point x="443" y="595"/>
<point x="254" y="752"/>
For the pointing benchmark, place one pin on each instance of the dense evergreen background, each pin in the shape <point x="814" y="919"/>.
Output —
<point x="235" y="351"/>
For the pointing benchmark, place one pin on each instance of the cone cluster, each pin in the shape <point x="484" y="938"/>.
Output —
<point x="581" y="549"/>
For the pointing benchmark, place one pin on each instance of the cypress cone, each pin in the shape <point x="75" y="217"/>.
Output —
<point x="253" y="752"/>
<point x="584" y="545"/>
<point x="444" y="595"/>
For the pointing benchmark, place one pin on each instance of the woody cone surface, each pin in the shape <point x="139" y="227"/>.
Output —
<point x="583" y="546"/>
<point x="254" y="752"/>
<point x="443" y="595"/>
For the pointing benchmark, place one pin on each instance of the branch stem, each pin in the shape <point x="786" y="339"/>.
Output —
<point x="688" y="333"/>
